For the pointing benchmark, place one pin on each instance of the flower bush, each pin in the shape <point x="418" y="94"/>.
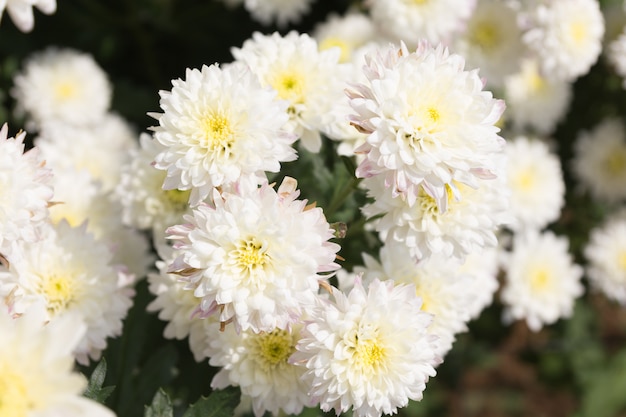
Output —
<point x="265" y="207"/>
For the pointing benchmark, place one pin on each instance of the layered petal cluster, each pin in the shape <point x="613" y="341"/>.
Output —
<point x="542" y="280"/>
<point x="308" y="79"/>
<point x="25" y="191"/>
<point x="430" y="123"/>
<point x="62" y="85"/>
<point x="254" y="258"/>
<point x="71" y="274"/>
<point x="37" y="375"/>
<point x="369" y="350"/>
<point x="217" y="126"/>
<point x="606" y="254"/>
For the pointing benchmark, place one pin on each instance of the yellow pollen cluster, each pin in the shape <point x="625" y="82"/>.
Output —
<point x="616" y="161"/>
<point x="14" y="401"/>
<point x="539" y="279"/>
<point x="369" y="353"/>
<point x="274" y="348"/>
<point x="578" y="32"/>
<point x="59" y="292"/>
<point x="65" y="90"/>
<point x="485" y="35"/>
<point x="334" y="42"/>
<point x="251" y="255"/>
<point x="218" y="132"/>
<point x="434" y="115"/>
<point x="290" y="85"/>
<point x="525" y="180"/>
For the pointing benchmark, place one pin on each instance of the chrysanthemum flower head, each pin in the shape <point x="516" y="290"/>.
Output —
<point x="21" y="11"/>
<point x="600" y="160"/>
<point x="71" y="274"/>
<point x="542" y="281"/>
<point x="36" y="367"/>
<point x="492" y="41"/>
<point x="253" y="258"/>
<point x="411" y="21"/>
<point x="534" y="101"/>
<point x="310" y="80"/>
<point x="62" y="85"/>
<point x="348" y="33"/>
<point x="25" y="191"/>
<point x="217" y="126"/>
<point x="369" y="350"/>
<point x="536" y="182"/>
<point x="429" y="121"/>
<point x="606" y="254"/>
<point x="565" y="35"/>
<point x="259" y="364"/>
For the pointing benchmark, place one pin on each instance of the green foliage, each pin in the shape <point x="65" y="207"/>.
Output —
<point x="95" y="390"/>
<point x="220" y="403"/>
<point x="161" y="406"/>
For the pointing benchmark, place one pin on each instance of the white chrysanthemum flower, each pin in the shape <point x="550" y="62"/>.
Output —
<point x="308" y="79"/>
<point x="468" y="225"/>
<point x="348" y="33"/>
<point x="429" y="122"/>
<point x="411" y="21"/>
<point x="101" y="148"/>
<point x="616" y="53"/>
<point x="536" y="182"/>
<point x="217" y="126"/>
<point x="21" y="11"/>
<point x="445" y="292"/>
<point x="492" y="41"/>
<point x="258" y="364"/>
<point x="566" y="36"/>
<point x="254" y="258"/>
<point x="542" y="282"/>
<point x="177" y="306"/>
<point x="71" y="273"/>
<point x="62" y="85"/>
<point x="25" y="191"/>
<point x="37" y="375"/>
<point x="606" y="254"/>
<point x="280" y="12"/>
<point x="534" y="101"/>
<point x="369" y="350"/>
<point x="146" y="205"/>
<point x="600" y="160"/>
<point x="483" y="266"/>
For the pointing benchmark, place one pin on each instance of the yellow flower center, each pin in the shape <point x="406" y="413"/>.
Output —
<point x="59" y="292"/>
<point x="622" y="260"/>
<point x="578" y="32"/>
<point x="369" y="352"/>
<point x="290" y="85"/>
<point x="616" y="161"/>
<point x="428" y="204"/>
<point x="219" y="134"/>
<point x="274" y="348"/>
<point x="524" y="180"/>
<point x="420" y="2"/>
<point x="485" y="34"/>
<point x="179" y="199"/>
<point x="250" y="256"/>
<point x="539" y="279"/>
<point x="65" y="90"/>
<point x="334" y="42"/>
<point x="535" y="82"/>
<point x="14" y="398"/>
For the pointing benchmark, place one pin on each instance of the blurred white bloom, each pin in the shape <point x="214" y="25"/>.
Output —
<point x="146" y="205"/>
<point x="62" y="85"/>
<point x="37" y="367"/>
<point x="308" y="79"/>
<point x="25" y="191"/>
<point x="21" y="11"/>
<point x="606" y="254"/>
<point x="258" y="364"/>
<point x="616" y="54"/>
<point x="412" y="21"/>
<point x="101" y="148"/>
<point x="536" y="182"/>
<point x="468" y="225"/>
<point x="280" y="12"/>
<point x="492" y="41"/>
<point x="217" y="126"/>
<point x="566" y="36"/>
<point x="542" y="282"/>
<point x="177" y="306"/>
<point x="446" y="293"/>
<point x="600" y="160"/>
<point x="369" y="351"/>
<point x="430" y="124"/>
<point x="483" y="266"/>
<point x="534" y="101"/>
<point x="348" y="33"/>
<point x="254" y="258"/>
<point x="71" y="274"/>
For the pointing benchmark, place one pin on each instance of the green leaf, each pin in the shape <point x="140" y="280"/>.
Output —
<point x="95" y="391"/>
<point x="220" y="403"/>
<point x="604" y="396"/>
<point x="161" y="406"/>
